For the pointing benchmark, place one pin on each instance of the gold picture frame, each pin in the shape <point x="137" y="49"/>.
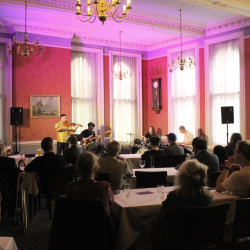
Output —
<point x="44" y="106"/>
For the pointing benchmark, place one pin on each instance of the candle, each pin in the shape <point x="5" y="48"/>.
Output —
<point x="78" y="1"/>
<point x="128" y="3"/>
<point x="88" y="11"/>
<point x="78" y="9"/>
<point x="88" y="3"/>
<point x="13" y="39"/>
<point x="124" y="9"/>
<point x="41" y="46"/>
<point x="37" y="41"/>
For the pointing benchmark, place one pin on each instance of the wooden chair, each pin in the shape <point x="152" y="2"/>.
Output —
<point x="212" y="178"/>
<point x="58" y="180"/>
<point x="174" y="160"/>
<point x="241" y="226"/>
<point x="155" y="161"/>
<point x="81" y="225"/>
<point x="150" y="179"/>
<point x="195" y="228"/>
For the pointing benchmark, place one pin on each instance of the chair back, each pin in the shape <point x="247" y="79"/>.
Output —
<point x="212" y="178"/>
<point x="81" y="225"/>
<point x="60" y="177"/>
<point x="155" y="161"/>
<point x="174" y="160"/>
<point x="103" y="177"/>
<point x="196" y="227"/>
<point x="241" y="226"/>
<point x="30" y="155"/>
<point x="150" y="179"/>
<point x="71" y="159"/>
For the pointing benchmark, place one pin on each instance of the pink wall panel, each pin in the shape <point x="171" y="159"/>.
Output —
<point x="202" y="92"/>
<point x="157" y="68"/>
<point x="145" y="95"/>
<point x="106" y="94"/>
<point x="47" y="74"/>
<point x="247" y="86"/>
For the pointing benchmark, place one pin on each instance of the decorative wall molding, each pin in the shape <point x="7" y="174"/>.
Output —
<point x="6" y="26"/>
<point x="227" y="24"/>
<point x="149" y="20"/>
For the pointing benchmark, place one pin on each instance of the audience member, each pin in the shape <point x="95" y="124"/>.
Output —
<point x="235" y="137"/>
<point x="87" y="188"/>
<point x="190" y="192"/>
<point x="73" y="151"/>
<point x="239" y="181"/>
<point x="154" y="142"/>
<point x="201" y="154"/>
<point x="188" y="136"/>
<point x="221" y="152"/>
<point x="8" y="182"/>
<point x="117" y="168"/>
<point x="173" y="148"/>
<point x="42" y="164"/>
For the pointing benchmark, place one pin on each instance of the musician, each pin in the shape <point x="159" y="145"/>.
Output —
<point x="150" y="133"/>
<point x="63" y="133"/>
<point x="188" y="136"/>
<point x="93" y="147"/>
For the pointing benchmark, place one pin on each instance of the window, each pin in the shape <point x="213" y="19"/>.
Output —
<point x="87" y="88"/>
<point x="126" y="99"/>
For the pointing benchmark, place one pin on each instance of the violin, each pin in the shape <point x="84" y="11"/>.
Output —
<point x="71" y="124"/>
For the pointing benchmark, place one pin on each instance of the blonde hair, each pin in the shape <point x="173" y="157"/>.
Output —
<point x="85" y="165"/>
<point x="2" y="149"/>
<point x="191" y="180"/>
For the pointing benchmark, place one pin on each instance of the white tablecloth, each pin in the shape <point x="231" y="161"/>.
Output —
<point x="135" y="211"/>
<point x="171" y="172"/>
<point x="132" y="159"/>
<point x="7" y="243"/>
<point x="19" y="158"/>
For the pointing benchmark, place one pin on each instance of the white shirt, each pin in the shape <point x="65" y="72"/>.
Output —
<point x="188" y="137"/>
<point x="238" y="183"/>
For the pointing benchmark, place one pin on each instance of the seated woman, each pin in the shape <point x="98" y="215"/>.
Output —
<point x="154" y="142"/>
<point x="150" y="133"/>
<point x="221" y="152"/>
<point x="87" y="188"/>
<point x="190" y="192"/>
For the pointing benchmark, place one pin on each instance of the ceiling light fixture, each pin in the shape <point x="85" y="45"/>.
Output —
<point x="189" y="64"/>
<point x="25" y="48"/>
<point x="102" y="9"/>
<point x="121" y="75"/>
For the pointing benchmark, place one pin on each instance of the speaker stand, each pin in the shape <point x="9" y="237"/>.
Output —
<point x="227" y="133"/>
<point x="16" y="152"/>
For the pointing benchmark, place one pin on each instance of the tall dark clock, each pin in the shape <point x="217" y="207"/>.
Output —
<point x="156" y="95"/>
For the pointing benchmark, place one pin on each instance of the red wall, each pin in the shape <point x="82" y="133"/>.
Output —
<point x="247" y="86"/>
<point x="157" y="68"/>
<point x="202" y="92"/>
<point x="47" y="74"/>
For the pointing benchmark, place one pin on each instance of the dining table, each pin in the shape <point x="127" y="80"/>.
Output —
<point x="7" y="243"/>
<point x="20" y="157"/>
<point x="171" y="173"/>
<point x="132" y="159"/>
<point x="142" y="206"/>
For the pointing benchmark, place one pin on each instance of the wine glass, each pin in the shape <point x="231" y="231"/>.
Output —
<point x="142" y="163"/>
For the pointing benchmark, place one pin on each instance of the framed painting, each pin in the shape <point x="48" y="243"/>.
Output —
<point x="44" y="106"/>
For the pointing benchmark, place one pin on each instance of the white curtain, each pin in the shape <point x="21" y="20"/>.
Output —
<point x="182" y="98"/>
<point x="125" y="106"/>
<point x="224" y="85"/>
<point x="5" y="95"/>
<point x="84" y="89"/>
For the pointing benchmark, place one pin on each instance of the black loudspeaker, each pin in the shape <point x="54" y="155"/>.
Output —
<point x="16" y="116"/>
<point x="227" y="115"/>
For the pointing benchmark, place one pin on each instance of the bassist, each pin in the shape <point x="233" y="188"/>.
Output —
<point x="93" y="147"/>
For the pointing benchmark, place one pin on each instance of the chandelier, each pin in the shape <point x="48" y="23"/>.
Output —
<point x="188" y="64"/>
<point x="121" y="75"/>
<point x="26" y="48"/>
<point x="102" y="8"/>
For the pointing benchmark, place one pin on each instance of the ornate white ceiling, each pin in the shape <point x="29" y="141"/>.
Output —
<point x="150" y="24"/>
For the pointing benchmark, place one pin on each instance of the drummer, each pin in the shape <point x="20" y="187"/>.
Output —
<point x="150" y="133"/>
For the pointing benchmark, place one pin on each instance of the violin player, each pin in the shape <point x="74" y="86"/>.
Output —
<point x="63" y="131"/>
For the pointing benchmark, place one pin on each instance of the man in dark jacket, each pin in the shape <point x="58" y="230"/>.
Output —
<point x="42" y="164"/>
<point x="201" y="154"/>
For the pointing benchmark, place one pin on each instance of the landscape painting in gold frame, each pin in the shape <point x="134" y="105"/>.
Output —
<point x="44" y="106"/>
